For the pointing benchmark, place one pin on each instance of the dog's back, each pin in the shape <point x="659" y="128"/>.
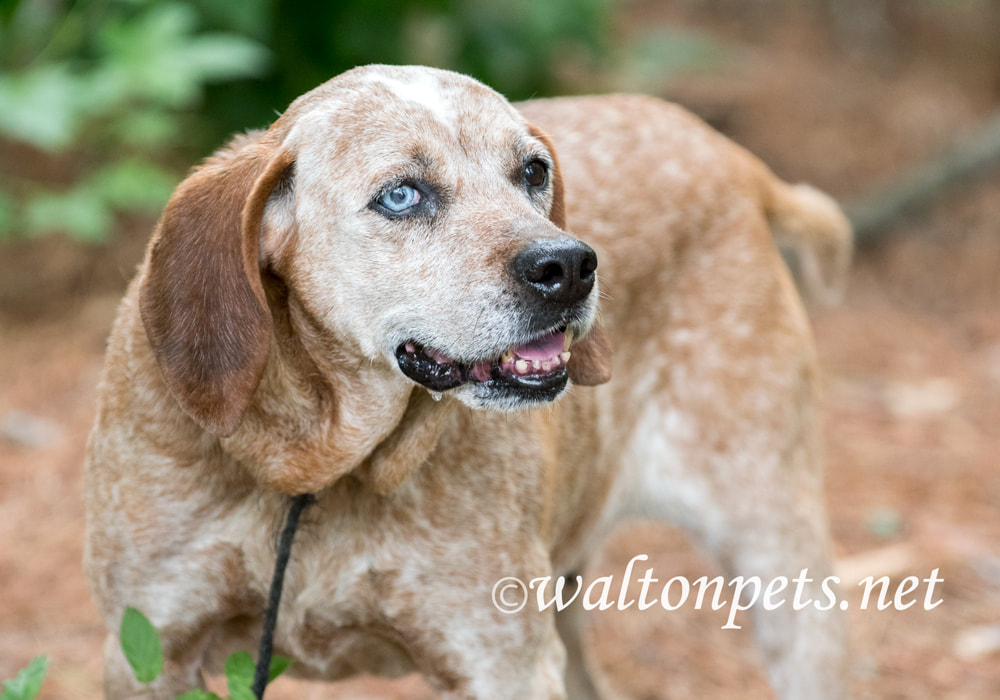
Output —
<point x="711" y="421"/>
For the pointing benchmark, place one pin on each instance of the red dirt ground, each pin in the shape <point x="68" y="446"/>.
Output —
<point x="911" y="368"/>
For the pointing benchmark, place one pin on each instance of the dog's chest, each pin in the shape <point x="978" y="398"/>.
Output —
<point x="355" y="594"/>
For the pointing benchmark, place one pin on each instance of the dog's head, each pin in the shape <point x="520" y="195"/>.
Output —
<point x="415" y="216"/>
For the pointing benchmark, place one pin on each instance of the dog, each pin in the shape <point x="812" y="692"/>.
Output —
<point x="378" y="301"/>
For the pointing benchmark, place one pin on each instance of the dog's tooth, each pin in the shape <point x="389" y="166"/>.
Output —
<point x="521" y="366"/>
<point x="536" y="364"/>
<point x="556" y="361"/>
<point x="409" y="348"/>
<point x="564" y="356"/>
<point x="507" y="357"/>
<point x="568" y="338"/>
<point x="546" y="366"/>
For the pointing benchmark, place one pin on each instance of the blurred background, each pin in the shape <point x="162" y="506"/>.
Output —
<point x="893" y="106"/>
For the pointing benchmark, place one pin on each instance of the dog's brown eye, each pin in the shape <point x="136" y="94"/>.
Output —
<point x="536" y="174"/>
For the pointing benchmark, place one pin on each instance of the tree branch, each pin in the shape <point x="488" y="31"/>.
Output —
<point x="972" y="156"/>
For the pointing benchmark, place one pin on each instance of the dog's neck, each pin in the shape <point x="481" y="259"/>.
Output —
<point x="338" y="412"/>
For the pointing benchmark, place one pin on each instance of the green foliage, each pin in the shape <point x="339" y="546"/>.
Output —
<point x="657" y="55"/>
<point x="522" y="48"/>
<point x="28" y="682"/>
<point x="85" y="210"/>
<point x="239" y="676"/>
<point x="107" y="86"/>
<point x="141" y="646"/>
<point x="107" y="91"/>
<point x="279" y="664"/>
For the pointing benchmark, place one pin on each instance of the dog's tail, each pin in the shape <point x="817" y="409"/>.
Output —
<point x="810" y="223"/>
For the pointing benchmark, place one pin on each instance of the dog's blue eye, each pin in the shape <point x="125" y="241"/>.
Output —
<point x="401" y="198"/>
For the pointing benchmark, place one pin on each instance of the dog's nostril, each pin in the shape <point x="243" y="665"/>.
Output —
<point x="551" y="274"/>
<point x="559" y="270"/>
<point x="588" y="265"/>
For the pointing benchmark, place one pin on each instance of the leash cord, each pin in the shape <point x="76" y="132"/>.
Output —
<point x="263" y="669"/>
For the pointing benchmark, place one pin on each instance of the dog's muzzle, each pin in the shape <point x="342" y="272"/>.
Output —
<point x="538" y="366"/>
<point x="553" y="278"/>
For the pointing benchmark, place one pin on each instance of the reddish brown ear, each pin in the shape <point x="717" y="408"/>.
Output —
<point x="557" y="214"/>
<point x="201" y="298"/>
<point x="590" y="361"/>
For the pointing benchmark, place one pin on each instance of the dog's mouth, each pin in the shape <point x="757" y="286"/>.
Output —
<point x="535" y="370"/>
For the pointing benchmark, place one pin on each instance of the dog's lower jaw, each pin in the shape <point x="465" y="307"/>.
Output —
<point x="493" y="395"/>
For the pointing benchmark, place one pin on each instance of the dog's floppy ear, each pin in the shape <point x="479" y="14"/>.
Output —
<point x="590" y="362"/>
<point x="201" y="297"/>
<point x="557" y="214"/>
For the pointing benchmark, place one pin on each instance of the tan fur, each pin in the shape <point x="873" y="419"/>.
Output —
<point x="252" y="358"/>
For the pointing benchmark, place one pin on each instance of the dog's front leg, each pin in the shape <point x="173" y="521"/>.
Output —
<point x="580" y="684"/>
<point x="803" y="639"/>
<point x="521" y="663"/>
<point x="490" y="637"/>
<point x="761" y="514"/>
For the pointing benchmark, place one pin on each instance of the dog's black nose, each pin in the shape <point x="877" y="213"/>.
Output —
<point x="559" y="270"/>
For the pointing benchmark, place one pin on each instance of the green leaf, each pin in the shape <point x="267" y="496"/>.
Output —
<point x="28" y="682"/>
<point x="239" y="676"/>
<point x="148" y="128"/>
<point x="216" y="57"/>
<point x="141" y="645"/>
<point x="279" y="664"/>
<point x="133" y="184"/>
<point x="41" y="106"/>
<point x="198" y="695"/>
<point x="7" y="215"/>
<point x="7" y="9"/>
<point x="79" y="211"/>
<point x="250" y="17"/>
<point x="240" y="669"/>
<point x="164" y="62"/>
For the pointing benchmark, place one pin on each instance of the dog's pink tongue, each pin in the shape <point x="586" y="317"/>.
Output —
<point x="543" y="348"/>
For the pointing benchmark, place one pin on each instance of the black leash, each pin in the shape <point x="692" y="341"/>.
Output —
<point x="262" y="672"/>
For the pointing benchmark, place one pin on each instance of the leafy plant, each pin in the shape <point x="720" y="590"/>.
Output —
<point x="104" y="93"/>
<point x="522" y="48"/>
<point x="141" y="646"/>
<point x="28" y="682"/>
<point x="106" y="89"/>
